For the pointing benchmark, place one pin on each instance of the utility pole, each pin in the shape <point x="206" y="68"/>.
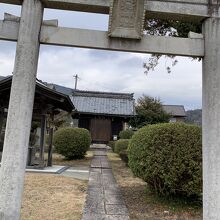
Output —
<point x="76" y="80"/>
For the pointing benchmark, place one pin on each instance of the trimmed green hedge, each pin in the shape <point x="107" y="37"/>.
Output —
<point x="121" y="145"/>
<point x="169" y="158"/>
<point x="124" y="156"/>
<point x="72" y="142"/>
<point x="126" y="134"/>
<point x="112" y="145"/>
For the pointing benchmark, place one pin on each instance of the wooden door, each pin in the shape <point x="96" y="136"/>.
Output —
<point x="100" y="130"/>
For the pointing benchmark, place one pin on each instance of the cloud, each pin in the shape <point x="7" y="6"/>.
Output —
<point x="123" y="72"/>
<point x="7" y="57"/>
<point x="78" y="19"/>
<point x="108" y="70"/>
<point x="11" y="9"/>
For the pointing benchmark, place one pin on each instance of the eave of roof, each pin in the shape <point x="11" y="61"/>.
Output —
<point x="105" y="114"/>
<point x="99" y="94"/>
<point x="46" y="92"/>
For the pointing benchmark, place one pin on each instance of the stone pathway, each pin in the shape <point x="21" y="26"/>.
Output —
<point x="104" y="200"/>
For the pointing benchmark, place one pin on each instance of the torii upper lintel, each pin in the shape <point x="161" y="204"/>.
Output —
<point x="190" y="10"/>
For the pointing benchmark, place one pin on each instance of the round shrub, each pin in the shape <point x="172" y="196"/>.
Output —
<point x="72" y="142"/>
<point x="169" y="158"/>
<point x="121" y="145"/>
<point x="126" y="134"/>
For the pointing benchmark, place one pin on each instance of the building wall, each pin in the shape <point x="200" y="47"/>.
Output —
<point x="177" y="119"/>
<point x="102" y="128"/>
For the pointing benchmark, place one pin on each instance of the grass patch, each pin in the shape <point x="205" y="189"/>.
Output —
<point x="53" y="197"/>
<point x="176" y="204"/>
<point x="61" y="160"/>
<point x="143" y="204"/>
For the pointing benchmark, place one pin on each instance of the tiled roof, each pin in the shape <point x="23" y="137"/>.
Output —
<point x="2" y="77"/>
<point x="63" y="89"/>
<point x="121" y="104"/>
<point x="58" y="99"/>
<point x="103" y="103"/>
<point x="175" y="110"/>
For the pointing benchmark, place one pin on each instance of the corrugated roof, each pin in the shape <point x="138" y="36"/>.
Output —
<point x="175" y="110"/>
<point x="121" y="104"/>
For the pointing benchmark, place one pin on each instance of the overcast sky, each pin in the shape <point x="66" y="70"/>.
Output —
<point x="107" y="70"/>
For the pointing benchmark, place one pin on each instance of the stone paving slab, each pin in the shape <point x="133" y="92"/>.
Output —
<point x="99" y="153"/>
<point x="105" y="217"/>
<point x="99" y="147"/>
<point x="115" y="209"/>
<point x="97" y="170"/>
<point x="100" y="162"/>
<point x="53" y="170"/>
<point x="114" y="199"/>
<point x="104" y="200"/>
<point x="81" y="173"/>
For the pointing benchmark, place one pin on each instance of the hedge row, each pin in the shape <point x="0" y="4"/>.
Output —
<point x="121" y="145"/>
<point x="126" y="134"/>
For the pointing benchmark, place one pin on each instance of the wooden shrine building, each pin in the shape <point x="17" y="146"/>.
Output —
<point x="103" y="114"/>
<point x="47" y="104"/>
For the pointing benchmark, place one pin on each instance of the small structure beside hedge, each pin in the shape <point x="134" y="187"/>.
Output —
<point x="169" y="158"/>
<point x="72" y="142"/>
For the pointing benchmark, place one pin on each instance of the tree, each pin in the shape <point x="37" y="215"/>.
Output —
<point x="64" y="119"/>
<point x="168" y="28"/>
<point x="149" y="111"/>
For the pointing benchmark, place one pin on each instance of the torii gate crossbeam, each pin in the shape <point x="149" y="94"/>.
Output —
<point x="29" y="33"/>
<point x="175" y="9"/>
<point x="74" y="37"/>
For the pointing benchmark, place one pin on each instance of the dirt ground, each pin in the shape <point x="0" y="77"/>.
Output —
<point x="141" y="203"/>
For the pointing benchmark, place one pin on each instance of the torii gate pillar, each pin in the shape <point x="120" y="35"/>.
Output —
<point x="211" y="120"/>
<point x="20" y="111"/>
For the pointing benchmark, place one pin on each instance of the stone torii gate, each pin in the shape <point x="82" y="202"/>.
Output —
<point x="125" y="34"/>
